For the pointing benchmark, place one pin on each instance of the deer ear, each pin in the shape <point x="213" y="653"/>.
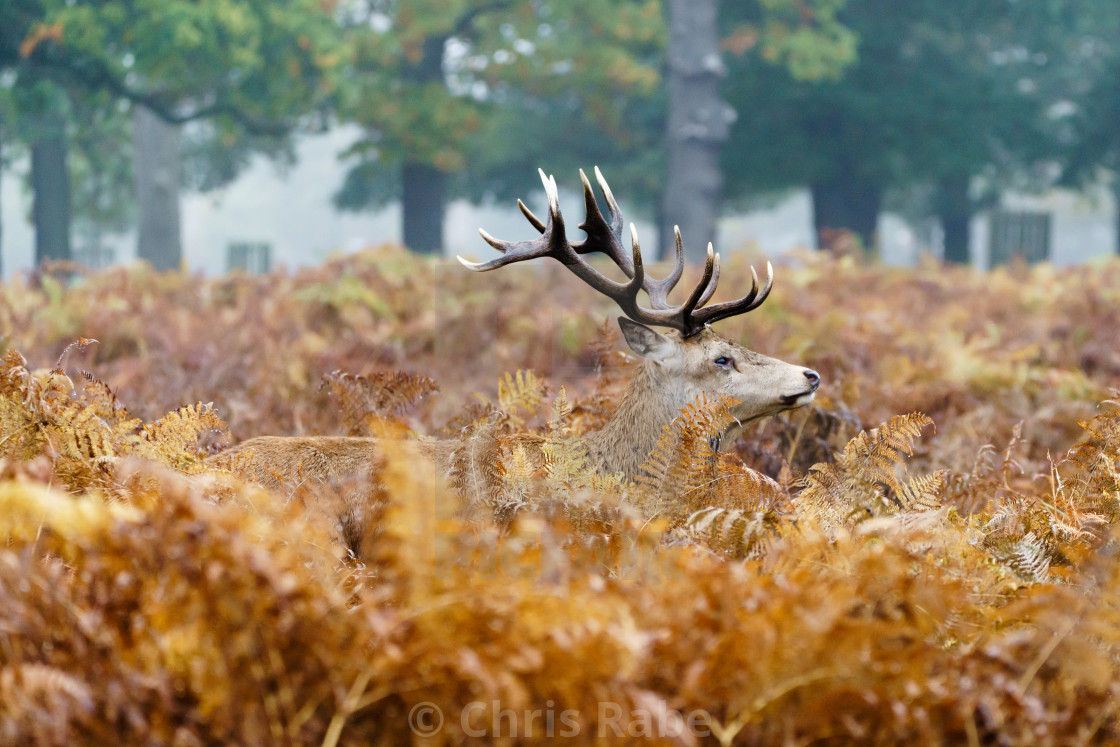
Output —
<point x="644" y="341"/>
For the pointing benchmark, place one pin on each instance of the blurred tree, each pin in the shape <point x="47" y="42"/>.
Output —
<point x="92" y="173"/>
<point x="441" y="83"/>
<point x="157" y="168"/>
<point x="1092" y="136"/>
<point x="48" y="108"/>
<point x="7" y="116"/>
<point x="563" y="133"/>
<point x="943" y="91"/>
<point x="246" y="66"/>
<point x="103" y="198"/>
<point x="1098" y="144"/>
<point x="801" y="36"/>
<point x="698" y="124"/>
<point x="3" y="157"/>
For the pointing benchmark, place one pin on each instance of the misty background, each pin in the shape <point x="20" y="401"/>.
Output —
<point x="225" y="135"/>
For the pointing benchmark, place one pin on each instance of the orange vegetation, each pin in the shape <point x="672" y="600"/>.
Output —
<point x="928" y="555"/>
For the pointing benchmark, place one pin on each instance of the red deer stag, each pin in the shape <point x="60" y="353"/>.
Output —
<point x="678" y="366"/>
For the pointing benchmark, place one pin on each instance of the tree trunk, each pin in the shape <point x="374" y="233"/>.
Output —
<point x="422" y="203"/>
<point x="156" y="166"/>
<point x="699" y="123"/>
<point x="423" y="186"/>
<point x="1116" y="207"/>
<point x="847" y="204"/>
<point x="1" y="208"/>
<point x="50" y="182"/>
<point x="954" y="208"/>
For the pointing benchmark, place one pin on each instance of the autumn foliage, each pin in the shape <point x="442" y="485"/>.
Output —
<point x="927" y="555"/>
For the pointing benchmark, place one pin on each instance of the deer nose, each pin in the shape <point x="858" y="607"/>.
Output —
<point x="814" y="378"/>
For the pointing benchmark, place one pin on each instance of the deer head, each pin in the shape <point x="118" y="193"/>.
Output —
<point x="686" y="361"/>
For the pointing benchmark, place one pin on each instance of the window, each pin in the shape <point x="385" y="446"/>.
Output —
<point x="253" y="257"/>
<point x="1019" y="233"/>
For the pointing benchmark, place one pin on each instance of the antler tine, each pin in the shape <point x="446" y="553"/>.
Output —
<point x="658" y="290"/>
<point x="536" y="222"/>
<point x="602" y="237"/>
<point x="662" y="313"/>
<point x="616" y="213"/>
<point x="689" y="306"/>
<point x="711" y="289"/>
<point x="553" y="241"/>
<point x="628" y="299"/>
<point x="752" y="300"/>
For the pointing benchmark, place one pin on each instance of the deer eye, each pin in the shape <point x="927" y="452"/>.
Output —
<point x="723" y="360"/>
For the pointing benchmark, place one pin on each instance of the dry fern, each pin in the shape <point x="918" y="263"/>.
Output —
<point x="521" y="392"/>
<point x="566" y="459"/>
<point x="172" y="438"/>
<point x="733" y="532"/>
<point x="476" y="470"/>
<point x="377" y="395"/>
<point x="1032" y="534"/>
<point x="864" y="482"/>
<point x="171" y="609"/>
<point x="85" y="432"/>
<point x="682" y="473"/>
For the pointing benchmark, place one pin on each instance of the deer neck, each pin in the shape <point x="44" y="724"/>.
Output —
<point x="626" y="440"/>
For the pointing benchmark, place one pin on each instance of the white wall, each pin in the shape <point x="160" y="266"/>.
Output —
<point x="292" y="211"/>
<point x="17" y="237"/>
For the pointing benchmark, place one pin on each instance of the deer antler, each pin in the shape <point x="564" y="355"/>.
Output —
<point x="606" y="238"/>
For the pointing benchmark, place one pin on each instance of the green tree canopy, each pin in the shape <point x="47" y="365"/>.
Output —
<point x="943" y="90"/>
<point x="500" y="86"/>
<point x="254" y="64"/>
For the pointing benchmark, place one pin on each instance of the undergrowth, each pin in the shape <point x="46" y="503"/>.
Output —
<point x="927" y="555"/>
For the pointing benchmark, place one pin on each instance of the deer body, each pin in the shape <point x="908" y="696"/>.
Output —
<point x="673" y="374"/>
<point x="677" y="367"/>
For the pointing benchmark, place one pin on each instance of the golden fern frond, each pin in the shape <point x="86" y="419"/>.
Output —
<point x="681" y="473"/>
<point x="612" y="484"/>
<point x="40" y="408"/>
<point x="102" y="400"/>
<point x="732" y="532"/>
<point x="827" y="495"/>
<point x="519" y="478"/>
<point x="566" y="458"/>
<point x="1091" y="469"/>
<point x="475" y="467"/>
<point x="743" y="488"/>
<point x="81" y="344"/>
<point x="76" y="430"/>
<point x="922" y="493"/>
<point x="1029" y="557"/>
<point x="1030" y="534"/>
<point x="561" y="411"/>
<point x="14" y="376"/>
<point x="173" y="439"/>
<point x="468" y="415"/>
<point x="865" y="482"/>
<point x="876" y="455"/>
<point x="523" y="391"/>
<point x="900" y="432"/>
<point x="380" y="394"/>
<point x="21" y="433"/>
